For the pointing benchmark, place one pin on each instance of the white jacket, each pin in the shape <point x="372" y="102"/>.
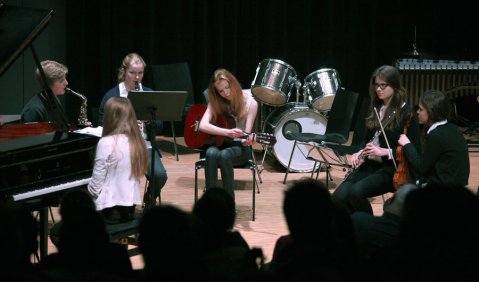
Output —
<point x="111" y="184"/>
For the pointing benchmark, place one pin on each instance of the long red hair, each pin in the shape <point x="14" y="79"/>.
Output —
<point x="220" y="105"/>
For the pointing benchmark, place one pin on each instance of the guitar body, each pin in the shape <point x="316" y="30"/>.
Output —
<point x="194" y="138"/>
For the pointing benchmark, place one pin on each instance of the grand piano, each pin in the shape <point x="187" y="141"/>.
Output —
<point x="39" y="161"/>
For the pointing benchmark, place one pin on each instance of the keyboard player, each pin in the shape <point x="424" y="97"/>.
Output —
<point x="39" y="160"/>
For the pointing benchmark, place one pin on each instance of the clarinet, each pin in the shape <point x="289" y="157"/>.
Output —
<point x="378" y="132"/>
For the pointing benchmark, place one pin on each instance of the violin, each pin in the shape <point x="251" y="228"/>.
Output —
<point x="402" y="175"/>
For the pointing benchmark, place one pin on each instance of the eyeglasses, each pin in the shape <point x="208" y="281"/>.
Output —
<point x="380" y="85"/>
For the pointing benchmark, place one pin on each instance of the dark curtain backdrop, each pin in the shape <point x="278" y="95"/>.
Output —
<point x="353" y="37"/>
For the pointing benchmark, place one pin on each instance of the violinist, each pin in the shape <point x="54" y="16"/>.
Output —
<point x="374" y="166"/>
<point x="444" y="158"/>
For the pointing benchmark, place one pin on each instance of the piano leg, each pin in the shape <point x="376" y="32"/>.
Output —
<point x="43" y="221"/>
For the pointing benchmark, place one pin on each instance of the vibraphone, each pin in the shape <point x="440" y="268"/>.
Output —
<point x="454" y="78"/>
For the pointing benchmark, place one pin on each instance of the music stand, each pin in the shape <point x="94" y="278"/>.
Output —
<point x="167" y="105"/>
<point x="162" y="105"/>
<point x="326" y="155"/>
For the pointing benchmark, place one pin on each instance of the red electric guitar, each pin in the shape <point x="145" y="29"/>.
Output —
<point x="194" y="138"/>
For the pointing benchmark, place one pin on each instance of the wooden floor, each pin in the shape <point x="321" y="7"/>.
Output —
<point x="269" y="223"/>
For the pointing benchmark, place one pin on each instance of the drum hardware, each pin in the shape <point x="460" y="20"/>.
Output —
<point x="297" y="85"/>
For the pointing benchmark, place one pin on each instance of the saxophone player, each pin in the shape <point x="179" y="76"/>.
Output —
<point x="38" y="108"/>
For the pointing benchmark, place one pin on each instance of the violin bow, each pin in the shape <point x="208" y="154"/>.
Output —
<point x="384" y="134"/>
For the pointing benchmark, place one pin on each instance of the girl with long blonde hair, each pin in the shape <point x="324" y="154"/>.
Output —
<point x="121" y="161"/>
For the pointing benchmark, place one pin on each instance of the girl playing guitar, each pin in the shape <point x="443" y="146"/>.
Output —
<point x="227" y="98"/>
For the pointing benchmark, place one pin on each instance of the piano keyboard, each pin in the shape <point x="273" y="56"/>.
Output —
<point x="50" y="189"/>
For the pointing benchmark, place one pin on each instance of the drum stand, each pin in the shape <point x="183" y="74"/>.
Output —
<point x="260" y="167"/>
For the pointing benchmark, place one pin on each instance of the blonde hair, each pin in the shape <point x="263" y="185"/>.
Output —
<point x="54" y="71"/>
<point x="120" y="118"/>
<point x="235" y="106"/>
<point x="132" y="58"/>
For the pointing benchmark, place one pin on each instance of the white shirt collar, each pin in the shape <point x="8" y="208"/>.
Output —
<point x="436" y="124"/>
<point x="123" y="91"/>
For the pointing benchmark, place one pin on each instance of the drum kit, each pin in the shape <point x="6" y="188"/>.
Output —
<point x="272" y="85"/>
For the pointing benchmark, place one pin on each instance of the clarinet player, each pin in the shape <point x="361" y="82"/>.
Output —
<point x="130" y="76"/>
<point x="374" y="165"/>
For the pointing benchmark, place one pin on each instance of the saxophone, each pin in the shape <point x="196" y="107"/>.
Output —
<point x="82" y="118"/>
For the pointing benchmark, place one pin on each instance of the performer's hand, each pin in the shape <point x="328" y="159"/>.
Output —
<point x="236" y="133"/>
<point x="374" y="150"/>
<point x="249" y="141"/>
<point x="356" y="161"/>
<point x="403" y="140"/>
<point x="141" y="124"/>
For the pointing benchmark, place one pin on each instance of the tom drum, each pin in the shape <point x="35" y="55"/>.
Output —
<point x="273" y="82"/>
<point x="321" y="87"/>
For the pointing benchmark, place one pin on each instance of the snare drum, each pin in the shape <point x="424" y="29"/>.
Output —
<point x="294" y="117"/>
<point x="321" y="87"/>
<point x="273" y="82"/>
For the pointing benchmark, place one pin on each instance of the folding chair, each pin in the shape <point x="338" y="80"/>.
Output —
<point x="337" y="129"/>
<point x="359" y="133"/>
<point x="251" y="165"/>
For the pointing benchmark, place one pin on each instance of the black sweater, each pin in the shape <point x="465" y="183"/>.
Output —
<point x="445" y="158"/>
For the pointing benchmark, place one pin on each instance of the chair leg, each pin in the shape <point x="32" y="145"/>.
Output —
<point x="289" y="163"/>
<point x="196" y="184"/>
<point x="327" y="177"/>
<point x="174" y="139"/>
<point x="319" y="169"/>
<point x="254" y="195"/>
<point x="258" y="171"/>
<point x="51" y="214"/>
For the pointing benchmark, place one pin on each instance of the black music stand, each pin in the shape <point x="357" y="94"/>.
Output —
<point x="162" y="105"/>
<point x="166" y="105"/>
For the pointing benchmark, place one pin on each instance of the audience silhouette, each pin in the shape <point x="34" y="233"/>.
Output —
<point x="376" y="234"/>
<point x="84" y="248"/>
<point x="18" y="242"/>
<point x="437" y="239"/>
<point x="425" y="234"/>
<point x="170" y="241"/>
<point x="216" y="210"/>
<point x="227" y="254"/>
<point x="322" y="244"/>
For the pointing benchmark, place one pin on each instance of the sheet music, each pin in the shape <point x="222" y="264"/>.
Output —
<point x="95" y="131"/>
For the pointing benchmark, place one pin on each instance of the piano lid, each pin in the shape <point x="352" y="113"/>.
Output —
<point x="19" y="26"/>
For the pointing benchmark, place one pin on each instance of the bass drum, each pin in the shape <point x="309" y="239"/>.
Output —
<point x="294" y="117"/>
<point x="321" y="87"/>
<point x="273" y="82"/>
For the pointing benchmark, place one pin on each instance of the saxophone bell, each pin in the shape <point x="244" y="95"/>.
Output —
<point x="83" y="117"/>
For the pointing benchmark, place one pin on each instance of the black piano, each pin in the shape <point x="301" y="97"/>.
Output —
<point x="38" y="161"/>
